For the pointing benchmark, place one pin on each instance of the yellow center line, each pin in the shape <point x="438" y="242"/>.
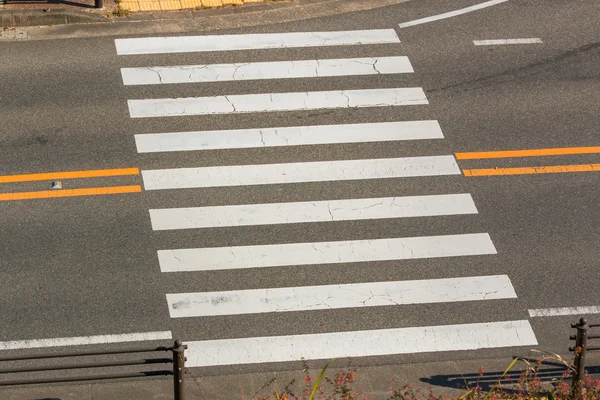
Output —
<point x="527" y="153"/>
<point x="70" y="193"/>
<point x="69" y="175"/>
<point x="532" y="170"/>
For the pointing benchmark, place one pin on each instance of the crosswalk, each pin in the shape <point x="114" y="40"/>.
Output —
<point x="438" y="287"/>
<point x="266" y="70"/>
<point x="288" y="136"/>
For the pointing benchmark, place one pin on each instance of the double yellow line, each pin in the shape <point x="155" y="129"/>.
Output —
<point x="46" y="194"/>
<point x="530" y="153"/>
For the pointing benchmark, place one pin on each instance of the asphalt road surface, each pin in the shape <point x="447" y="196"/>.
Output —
<point x="495" y="245"/>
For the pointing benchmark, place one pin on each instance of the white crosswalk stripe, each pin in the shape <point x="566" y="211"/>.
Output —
<point x="436" y="285"/>
<point x="323" y="346"/>
<point x="188" y="44"/>
<point x="288" y="136"/>
<point x="270" y="102"/>
<point x="322" y="171"/>
<point x="266" y="70"/>
<point x="316" y="211"/>
<point x="279" y="255"/>
<point x="329" y="297"/>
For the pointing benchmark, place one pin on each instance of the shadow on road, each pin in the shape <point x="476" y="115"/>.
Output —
<point x="548" y="371"/>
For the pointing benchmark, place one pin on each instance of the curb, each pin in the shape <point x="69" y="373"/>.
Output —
<point x="219" y="11"/>
<point x="182" y="5"/>
<point x="270" y="12"/>
<point x="59" y="16"/>
<point x="65" y="16"/>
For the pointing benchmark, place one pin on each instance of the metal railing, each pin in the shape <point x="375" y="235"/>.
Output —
<point x="580" y="350"/>
<point x="178" y="371"/>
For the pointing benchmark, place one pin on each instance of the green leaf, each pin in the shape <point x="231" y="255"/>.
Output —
<point x="319" y="379"/>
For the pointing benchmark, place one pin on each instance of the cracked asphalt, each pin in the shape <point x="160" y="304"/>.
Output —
<point x="88" y="266"/>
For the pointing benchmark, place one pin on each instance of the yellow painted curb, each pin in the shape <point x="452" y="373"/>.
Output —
<point x="171" y="5"/>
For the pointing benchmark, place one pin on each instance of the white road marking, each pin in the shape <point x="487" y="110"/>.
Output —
<point x="316" y="211"/>
<point x="265" y="70"/>
<point x="451" y="13"/>
<point x="288" y="136"/>
<point x="340" y="296"/>
<point x="554" y="312"/>
<point x="279" y="255"/>
<point x="269" y="102"/>
<point x="85" y="340"/>
<point x="322" y="346"/>
<point x="322" y="171"/>
<point x="187" y="44"/>
<point x="506" y="41"/>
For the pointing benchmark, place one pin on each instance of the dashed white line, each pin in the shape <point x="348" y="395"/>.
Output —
<point x="498" y="42"/>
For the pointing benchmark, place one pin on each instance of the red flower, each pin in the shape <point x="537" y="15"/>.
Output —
<point x="350" y="377"/>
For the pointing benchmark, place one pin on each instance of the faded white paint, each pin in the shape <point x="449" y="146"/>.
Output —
<point x="353" y="295"/>
<point x="265" y="70"/>
<point x="288" y="136"/>
<point x="85" y="340"/>
<point x="269" y="102"/>
<point x="316" y="211"/>
<point x="323" y="346"/>
<point x="555" y="312"/>
<point x="277" y="255"/>
<point x="322" y="171"/>
<point x="187" y="44"/>
<point x="451" y="13"/>
<point x="496" y="42"/>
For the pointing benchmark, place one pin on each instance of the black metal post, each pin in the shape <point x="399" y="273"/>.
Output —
<point x="580" y="350"/>
<point x="99" y="4"/>
<point x="179" y="370"/>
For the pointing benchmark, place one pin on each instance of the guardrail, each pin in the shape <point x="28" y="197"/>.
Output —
<point x="178" y="371"/>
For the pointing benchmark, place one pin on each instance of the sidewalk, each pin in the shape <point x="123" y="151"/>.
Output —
<point x="441" y="377"/>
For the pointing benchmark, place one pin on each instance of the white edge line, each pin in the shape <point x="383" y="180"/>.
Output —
<point x="555" y="312"/>
<point x="451" y="13"/>
<point x="85" y="340"/>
